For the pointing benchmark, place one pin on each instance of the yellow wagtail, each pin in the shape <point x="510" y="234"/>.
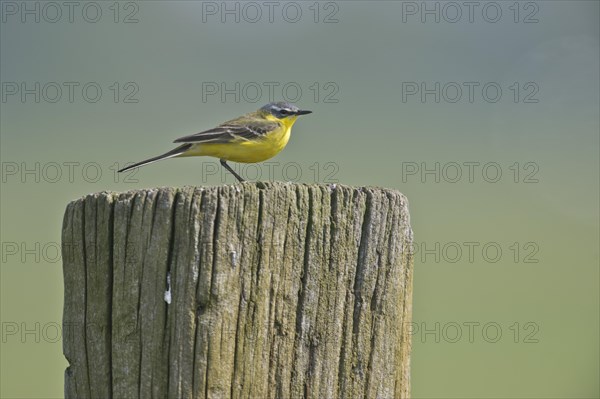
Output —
<point x="254" y="137"/>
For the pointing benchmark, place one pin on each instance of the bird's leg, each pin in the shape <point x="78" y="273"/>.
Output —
<point x="224" y="163"/>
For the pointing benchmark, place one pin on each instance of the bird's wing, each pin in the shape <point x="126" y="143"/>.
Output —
<point x="242" y="128"/>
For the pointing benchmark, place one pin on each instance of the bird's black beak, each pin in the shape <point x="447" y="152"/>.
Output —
<point x="303" y="112"/>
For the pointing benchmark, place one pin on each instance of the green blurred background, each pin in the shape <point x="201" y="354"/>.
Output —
<point x="520" y="323"/>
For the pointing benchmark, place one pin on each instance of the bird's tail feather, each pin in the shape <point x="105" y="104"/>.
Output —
<point x="173" y="153"/>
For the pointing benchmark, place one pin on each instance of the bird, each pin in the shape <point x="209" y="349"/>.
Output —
<point x="250" y="138"/>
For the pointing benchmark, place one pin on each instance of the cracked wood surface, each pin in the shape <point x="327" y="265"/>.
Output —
<point x="278" y="290"/>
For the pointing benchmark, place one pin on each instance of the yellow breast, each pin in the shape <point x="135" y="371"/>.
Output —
<point x="248" y="151"/>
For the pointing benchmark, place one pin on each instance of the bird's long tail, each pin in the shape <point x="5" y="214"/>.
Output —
<point x="173" y="153"/>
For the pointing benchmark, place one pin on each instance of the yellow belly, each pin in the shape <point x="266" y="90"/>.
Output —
<point x="244" y="151"/>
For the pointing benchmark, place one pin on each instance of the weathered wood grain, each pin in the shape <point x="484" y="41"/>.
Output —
<point x="277" y="290"/>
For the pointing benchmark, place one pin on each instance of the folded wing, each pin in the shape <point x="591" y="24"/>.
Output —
<point x="235" y="130"/>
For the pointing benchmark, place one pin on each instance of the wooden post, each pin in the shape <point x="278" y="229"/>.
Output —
<point x="256" y="290"/>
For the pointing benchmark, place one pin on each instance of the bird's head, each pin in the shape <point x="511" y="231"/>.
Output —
<point x="282" y="110"/>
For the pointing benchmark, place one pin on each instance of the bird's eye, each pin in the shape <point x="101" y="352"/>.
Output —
<point x="285" y="112"/>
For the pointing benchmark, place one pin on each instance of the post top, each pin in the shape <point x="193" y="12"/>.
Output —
<point x="254" y="187"/>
